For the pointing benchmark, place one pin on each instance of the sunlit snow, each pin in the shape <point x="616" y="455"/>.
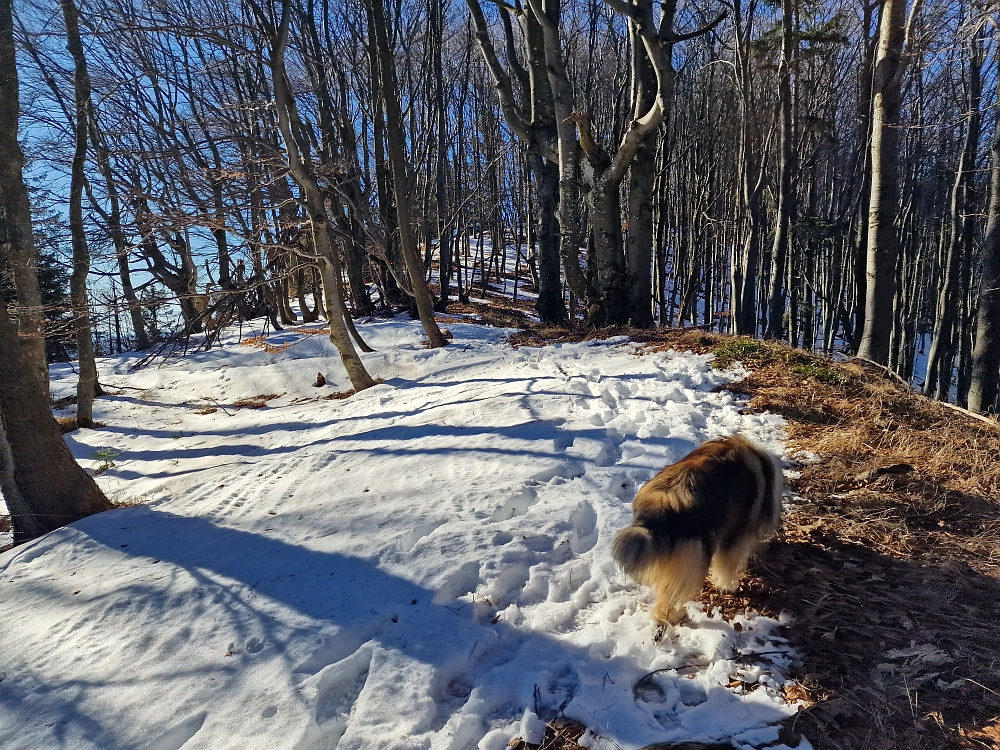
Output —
<point x="415" y="566"/>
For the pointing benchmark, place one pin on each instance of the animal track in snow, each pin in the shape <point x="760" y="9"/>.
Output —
<point x="517" y="505"/>
<point x="337" y="692"/>
<point x="501" y="538"/>
<point x="561" y="471"/>
<point x="176" y="737"/>
<point x="584" y="520"/>
<point x="409" y="540"/>
<point x="332" y="647"/>
<point x="254" y="645"/>
<point x="462" y="581"/>
<point x="569" y="581"/>
<point x="508" y="585"/>
<point x="563" y="441"/>
<point x="538" y="542"/>
<point x="561" y="688"/>
<point x="610" y="454"/>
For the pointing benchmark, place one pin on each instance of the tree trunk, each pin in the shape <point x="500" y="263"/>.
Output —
<point x="43" y="485"/>
<point x="743" y="283"/>
<point x="883" y="241"/>
<point x="786" y="167"/>
<point x="550" y="306"/>
<point x="642" y="172"/>
<point x="15" y="229"/>
<point x="986" y="354"/>
<point x="400" y="177"/>
<point x="300" y="166"/>
<point x="860" y="256"/>
<point x="87" y="384"/>
<point x="948" y="320"/>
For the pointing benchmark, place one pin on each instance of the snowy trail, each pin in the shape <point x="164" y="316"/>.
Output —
<point x="412" y="567"/>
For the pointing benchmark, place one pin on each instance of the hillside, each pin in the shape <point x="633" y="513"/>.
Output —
<point x="416" y="565"/>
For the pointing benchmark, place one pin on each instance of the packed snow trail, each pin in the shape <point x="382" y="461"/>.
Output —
<point x="412" y="567"/>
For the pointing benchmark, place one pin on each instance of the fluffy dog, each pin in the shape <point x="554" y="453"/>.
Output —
<point x="711" y="509"/>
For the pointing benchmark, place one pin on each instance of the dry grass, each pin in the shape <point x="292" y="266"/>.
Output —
<point x="339" y="395"/>
<point x="256" y="402"/>
<point x="560" y="734"/>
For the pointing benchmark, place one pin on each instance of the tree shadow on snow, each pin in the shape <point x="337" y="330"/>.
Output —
<point x="349" y="601"/>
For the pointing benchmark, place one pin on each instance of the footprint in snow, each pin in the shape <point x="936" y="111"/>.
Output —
<point x="337" y="692"/>
<point x="463" y="581"/>
<point x="517" y="505"/>
<point x="560" y="691"/>
<point x="176" y="737"/>
<point x="254" y="645"/>
<point x="409" y="540"/>
<point x="584" y="520"/>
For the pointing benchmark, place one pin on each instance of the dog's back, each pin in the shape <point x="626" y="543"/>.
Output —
<point x="713" y="506"/>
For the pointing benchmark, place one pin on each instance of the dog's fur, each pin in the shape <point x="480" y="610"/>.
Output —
<point x="711" y="509"/>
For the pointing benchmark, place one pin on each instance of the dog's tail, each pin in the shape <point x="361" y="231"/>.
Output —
<point x="633" y="550"/>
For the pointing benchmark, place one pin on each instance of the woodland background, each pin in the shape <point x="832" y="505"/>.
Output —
<point x="824" y="173"/>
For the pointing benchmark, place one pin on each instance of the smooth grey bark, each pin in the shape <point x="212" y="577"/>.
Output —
<point x="550" y="306"/>
<point x="568" y="156"/>
<point x="985" y="379"/>
<point x="786" y="169"/>
<point x="535" y="126"/>
<point x="642" y="173"/>
<point x="15" y="228"/>
<point x="401" y="182"/>
<point x="947" y="321"/>
<point x="87" y="386"/>
<point x="605" y="172"/>
<point x="883" y="240"/>
<point x="864" y="156"/>
<point x="300" y="167"/>
<point x="743" y="272"/>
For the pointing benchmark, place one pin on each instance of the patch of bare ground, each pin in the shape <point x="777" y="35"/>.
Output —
<point x="256" y="402"/>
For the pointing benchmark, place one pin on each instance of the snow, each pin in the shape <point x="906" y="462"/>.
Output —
<point x="425" y="564"/>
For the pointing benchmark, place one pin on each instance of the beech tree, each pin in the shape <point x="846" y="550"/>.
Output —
<point x="42" y="484"/>
<point x="803" y="171"/>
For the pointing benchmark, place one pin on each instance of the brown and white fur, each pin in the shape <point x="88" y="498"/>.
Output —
<point x="710" y="510"/>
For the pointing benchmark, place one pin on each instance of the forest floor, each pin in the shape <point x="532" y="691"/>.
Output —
<point x="422" y="565"/>
<point x="885" y="578"/>
<point x="890" y="556"/>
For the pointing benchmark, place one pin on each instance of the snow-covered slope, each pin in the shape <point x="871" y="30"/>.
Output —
<point x="412" y="567"/>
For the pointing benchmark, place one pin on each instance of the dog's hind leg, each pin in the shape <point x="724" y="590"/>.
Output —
<point x="728" y="564"/>
<point x="677" y="578"/>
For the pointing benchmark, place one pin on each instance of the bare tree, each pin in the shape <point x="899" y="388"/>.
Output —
<point x="986" y="356"/>
<point x="15" y="212"/>
<point x="87" y="386"/>
<point x="883" y="241"/>
<point x="401" y="181"/>
<point x="42" y="484"/>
